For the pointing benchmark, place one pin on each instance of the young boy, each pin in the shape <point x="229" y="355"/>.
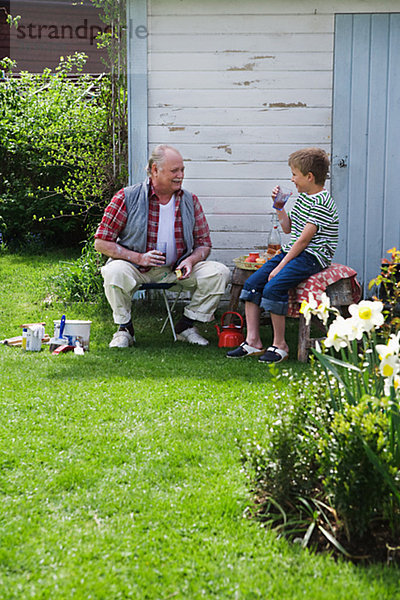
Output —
<point x="313" y="224"/>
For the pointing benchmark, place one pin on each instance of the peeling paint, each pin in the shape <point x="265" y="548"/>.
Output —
<point x="285" y="104"/>
<point x="177" y="128"/>
<point x="196" y="132"/>
<point x="248" y="67"/>
<point x="246" y="83"/>
<point x="225" y="147"/>
<point x="266" y="56"/>
<point x="231" y="51"/>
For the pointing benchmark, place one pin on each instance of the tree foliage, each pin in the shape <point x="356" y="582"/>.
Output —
<point x="63" y="140"/>
<point x="55" y="149"/>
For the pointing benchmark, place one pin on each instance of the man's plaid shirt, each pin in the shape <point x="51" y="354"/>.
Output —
<point x="115" y="217"/>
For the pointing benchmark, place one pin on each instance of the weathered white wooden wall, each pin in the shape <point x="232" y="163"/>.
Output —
<point x="236" y="87"/>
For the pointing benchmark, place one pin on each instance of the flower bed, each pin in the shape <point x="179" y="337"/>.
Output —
<point x="327" y="472"/>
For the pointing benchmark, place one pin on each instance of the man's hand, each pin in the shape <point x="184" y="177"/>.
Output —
<point x="186" y="267"/>
<point x="152" y="258"/>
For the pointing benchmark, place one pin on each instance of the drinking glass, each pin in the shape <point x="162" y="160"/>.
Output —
<point x="282" y="197"/>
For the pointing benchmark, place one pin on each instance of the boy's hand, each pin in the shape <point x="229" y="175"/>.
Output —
<point x="275" y="272"/>
<point x="275" y="192"/>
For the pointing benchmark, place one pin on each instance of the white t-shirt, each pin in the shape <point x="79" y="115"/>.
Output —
<point x="166" y="229"/>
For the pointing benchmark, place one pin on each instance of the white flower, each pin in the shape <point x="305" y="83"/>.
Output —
<point x="353" y="329"/>
<point x="337" y="334"/>
<point x="389" y="366"/>
<point x="391" y="348"/>
<point x="367" y="314"/>
<point x="323" y="308"/>
<point x="392" y="382"/>
<point x="308" y="308"/>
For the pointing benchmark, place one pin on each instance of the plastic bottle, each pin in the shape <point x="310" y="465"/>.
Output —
<point x="24" y="337"/>
<point x="274" y="239"/>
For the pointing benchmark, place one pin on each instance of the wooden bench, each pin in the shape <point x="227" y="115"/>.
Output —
<point x="341" y="295"/>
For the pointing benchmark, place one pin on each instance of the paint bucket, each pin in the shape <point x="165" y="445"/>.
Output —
<point x="32" y="337"/>
<point x="75" y="331"/>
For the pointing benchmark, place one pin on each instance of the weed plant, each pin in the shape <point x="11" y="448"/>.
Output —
<point x="80" y="280"/>
<point x="120" y="474"/>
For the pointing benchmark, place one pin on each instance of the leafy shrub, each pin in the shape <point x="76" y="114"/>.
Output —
<point x="283" y="461"/>
<point x="81" y="280"/>
<point x="388" y="282"/>
<point x="360" y="493"/>
<point x="55" y="151"/>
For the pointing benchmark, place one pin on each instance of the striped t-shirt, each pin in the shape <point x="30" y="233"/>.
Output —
<point x="320" y="210"/>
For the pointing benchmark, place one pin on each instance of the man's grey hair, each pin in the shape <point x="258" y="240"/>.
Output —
<point x="157" y="157"/>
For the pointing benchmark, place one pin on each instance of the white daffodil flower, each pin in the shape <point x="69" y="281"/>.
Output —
<point x="392" y="348"/>
<point x="307" y="309"/>
<point x="368" y="314"/>
<point x="353" y="329"/>
<point x="323" y="308"/>
<point x="389" y="366"/>
<point x="337" y="334"/>
<point x="392" y="382"/>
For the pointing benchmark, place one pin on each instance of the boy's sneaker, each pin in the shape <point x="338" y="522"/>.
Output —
<point x="122" y="339"/>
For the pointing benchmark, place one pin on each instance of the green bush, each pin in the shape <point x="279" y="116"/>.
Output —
<point x="359" y="491"/>
<point x="311" y="473"/>
<point x="283" y="461"/>
<point x="81" y="280"/>
<point x="55" y="152"/>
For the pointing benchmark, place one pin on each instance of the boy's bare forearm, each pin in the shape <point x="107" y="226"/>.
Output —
<point x="284" y="221"/>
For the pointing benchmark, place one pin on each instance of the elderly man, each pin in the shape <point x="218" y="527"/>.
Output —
<point x="136" y="220"/>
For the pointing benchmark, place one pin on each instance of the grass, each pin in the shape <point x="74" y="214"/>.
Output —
<point x="120" y="475"/>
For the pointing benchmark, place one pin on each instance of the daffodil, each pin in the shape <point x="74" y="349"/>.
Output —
<point x="392" y="382"/>
<point x="307" y="309"/>
<point x="323" y="308"/>
<point x="389" y="366"/>
<point x="392" y="348"/>
<point x="337" y="334"/>
<point x="353" y="329"/>
<point x="367" y="314"/>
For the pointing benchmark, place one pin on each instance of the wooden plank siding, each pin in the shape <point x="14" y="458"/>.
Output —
<point x="236" y="87"/>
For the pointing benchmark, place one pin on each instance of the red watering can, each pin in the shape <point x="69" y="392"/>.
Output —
<point x="230" y="335"/>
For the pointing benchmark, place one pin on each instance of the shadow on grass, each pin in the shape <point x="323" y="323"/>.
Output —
<point x="157" y="357"/>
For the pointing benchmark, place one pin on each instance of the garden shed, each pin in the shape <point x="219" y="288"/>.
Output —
<point x="237" y="86"/>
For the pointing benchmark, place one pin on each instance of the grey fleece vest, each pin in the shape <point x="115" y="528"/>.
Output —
<point x="134" y="234"/>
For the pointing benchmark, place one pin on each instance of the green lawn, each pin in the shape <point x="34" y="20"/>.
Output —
<point x="120" y="473"/>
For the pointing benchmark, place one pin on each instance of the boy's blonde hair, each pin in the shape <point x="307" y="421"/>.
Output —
<point x="311" y="160"/>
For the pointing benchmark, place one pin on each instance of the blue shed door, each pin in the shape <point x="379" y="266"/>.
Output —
<point x="366" y="139"/>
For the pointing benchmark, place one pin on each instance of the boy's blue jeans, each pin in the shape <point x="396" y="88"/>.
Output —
<point x="274" y="295"/>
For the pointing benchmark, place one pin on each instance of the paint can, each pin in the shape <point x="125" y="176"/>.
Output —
<point x="75" y="331"/>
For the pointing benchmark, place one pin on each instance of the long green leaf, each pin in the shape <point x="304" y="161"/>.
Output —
<point x="308" y="534"/>
<point x="334" y="541"/>
<point x="328" y="362"/>
<point x="342" y="363"/>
